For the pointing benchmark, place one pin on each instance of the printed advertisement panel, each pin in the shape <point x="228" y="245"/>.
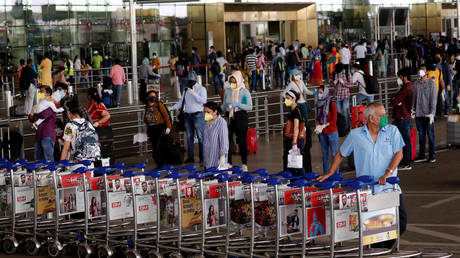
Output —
<point x="290" y="219"/>
<point x="191" y="212"/>
<point x="46" y="199"/>
<point x="214" y="212"/>
<point x="96" y="204"/>
<point x="346" y="225"/>
<point x="120" y="205"/>
<point x="70" y="201"/>
<point x="24" y="199"/>
<point x="379" y="226"/>
<point x="146" y="209"/>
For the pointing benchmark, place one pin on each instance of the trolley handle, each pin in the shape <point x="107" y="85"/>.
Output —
<point x="302" y="183"/>
<point x="275" y="180"/>
<point x="213" y="171"/>
<point x="358" y="185"/>
<point x="191" y="174"/>
<point x="8" y="166"/>
<point x="189" y="168"/>
<point x="137" y="165"/>
<point x="131" y="173"/>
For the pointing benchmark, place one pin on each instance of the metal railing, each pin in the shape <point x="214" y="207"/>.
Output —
<point x="267" y="116"/>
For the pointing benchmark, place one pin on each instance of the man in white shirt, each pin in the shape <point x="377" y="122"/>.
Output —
<point x="361" y="52"/>
<point x="345" y="60"/>
<point x="358" y="79"/>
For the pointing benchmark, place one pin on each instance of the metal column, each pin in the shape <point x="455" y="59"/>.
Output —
<point x="132" y="18"/>
<point x="458" y="18"/>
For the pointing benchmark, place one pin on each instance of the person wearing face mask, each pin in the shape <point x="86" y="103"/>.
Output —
<point x="98" y="112"/>
<point x="294" y="140"/>
<point x="299" y="86"/>
<point x="192" y="102"/>
<point x="342" y="92"/>
<point x="444" y="104"/>
<point x="215" y="143"/>
<point x="155" y="62"/>
<point x="156" y="118"/>
<point x="333" y="60"/>
<point x="237" y="102"/>
<point x="424" y="106"/>
<point x="326" y="126"/>
<point x="402" y="104"/>
<point x="107" y="63"/>
<point x="377" y="150"/>
<point x="195" y="60"/>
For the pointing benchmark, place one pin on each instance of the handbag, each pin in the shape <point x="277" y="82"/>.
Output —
<point x="180" y="117"/>
<point x="289" y="130"/>
<point x="295" y="159"/>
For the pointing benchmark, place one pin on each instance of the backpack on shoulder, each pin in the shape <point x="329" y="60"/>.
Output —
<point x="372" y="84"/>
<point x="215" y="67"/>
<point x="87" y="145"/>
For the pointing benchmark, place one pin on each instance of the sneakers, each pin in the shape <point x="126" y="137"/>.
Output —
<point x="419" y="159"/>
<point x="244" y="167"/>
<point x="432" y="160"/>
<point x="406" y="167"/>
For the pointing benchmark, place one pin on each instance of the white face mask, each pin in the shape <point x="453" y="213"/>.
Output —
<point x="457" y="58"/>
<point x="421" y="73"/>
<point x="298" y="77"/>
<point x="399" y="82"/>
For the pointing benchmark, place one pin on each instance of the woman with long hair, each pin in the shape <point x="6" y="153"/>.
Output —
<point x="212" y="218"/>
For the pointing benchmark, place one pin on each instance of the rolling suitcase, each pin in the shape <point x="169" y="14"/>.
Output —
<point x="357" y="115"/>
<point x="251" y="140"/>
<point x="413" y="142"/>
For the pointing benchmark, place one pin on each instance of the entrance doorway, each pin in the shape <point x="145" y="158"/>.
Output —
<point x="253" y="34"/>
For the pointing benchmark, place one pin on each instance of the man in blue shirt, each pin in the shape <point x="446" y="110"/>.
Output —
<point x="195" y="97"/>
<point x="377" y="149"/>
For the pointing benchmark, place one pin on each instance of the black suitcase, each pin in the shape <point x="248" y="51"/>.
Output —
<point x="172" y="152"/>
<point x="11" y="147"/>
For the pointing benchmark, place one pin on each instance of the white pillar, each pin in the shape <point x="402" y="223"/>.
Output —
<point x="132" y="16"/>
<point x="458" y="19"/>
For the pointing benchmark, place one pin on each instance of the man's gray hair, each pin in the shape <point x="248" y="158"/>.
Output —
<point x="370" y="109"/>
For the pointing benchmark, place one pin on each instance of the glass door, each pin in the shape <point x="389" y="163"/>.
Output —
<point x="253" y="34"/>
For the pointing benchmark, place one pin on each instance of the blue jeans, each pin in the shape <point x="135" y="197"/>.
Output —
<point x="424" y="127"/>
<point x="44" y="149"/>
<point x="260" y="78"/>
<point x="218" y="78"/>
<point x="194" y="123"/>
<point x="329" y="141"/>
<point x="446" y="104"/>
<point x="253" y="80"/>
<point x="360" y="97"/>
<point x="117" y="93"/>
<point x="404" y="127"/>
<point x="343" y="107"/>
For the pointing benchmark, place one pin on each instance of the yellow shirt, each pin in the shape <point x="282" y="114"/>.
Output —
<point x="435" y="76"/>
<point x="45" y="77"/>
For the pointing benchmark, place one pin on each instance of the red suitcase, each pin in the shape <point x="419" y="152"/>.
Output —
<point x="413" y="142"/>
<point x="357" y="115"/>
<point x="251" y="140"/>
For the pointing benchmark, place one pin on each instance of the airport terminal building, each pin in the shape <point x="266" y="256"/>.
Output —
<point x="29" y="28"/>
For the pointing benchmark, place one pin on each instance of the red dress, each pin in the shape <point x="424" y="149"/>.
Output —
<point x="317" y="76"/>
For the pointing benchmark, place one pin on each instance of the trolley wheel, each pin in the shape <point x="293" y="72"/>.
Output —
<point x="32" y="246"/>
<point x="154" y="254"/>
<point x="84" y="251"/>
<point x="55" y="249"/>
<point x="104" y="251"/>
<point x="10" y="245"/>
<point x="175" y="255"/>
<point x="131" y="253"/>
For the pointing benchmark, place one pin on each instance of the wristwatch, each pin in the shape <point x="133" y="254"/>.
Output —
<point x="390" y="170"/>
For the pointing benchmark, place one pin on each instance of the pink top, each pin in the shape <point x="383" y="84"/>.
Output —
<point x="117" y="73"/>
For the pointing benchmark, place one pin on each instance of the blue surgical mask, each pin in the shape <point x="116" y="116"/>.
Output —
<point x="352" y="71"/>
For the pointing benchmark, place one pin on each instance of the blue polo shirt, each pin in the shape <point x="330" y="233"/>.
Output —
<point x="372" y="159"/>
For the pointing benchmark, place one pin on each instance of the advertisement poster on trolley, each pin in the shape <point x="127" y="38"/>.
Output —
<point x="379" y="226"/>
<point x="146" y="208"/>
<point x="291" y="219"/>
<point x="346" y="225"/>
<point x="46" y="200"/>
<point x="120" y="205"/>
<point x="24" y="198"/>
<point x="318" y="223"/>
<point x="96" y="207"/>
<point x="191" y="212"/>
<point x="70" y="201"/>
<point x="214" y="212"/>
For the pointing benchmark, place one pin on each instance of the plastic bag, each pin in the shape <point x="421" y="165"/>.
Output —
<point x="295" y="159"/>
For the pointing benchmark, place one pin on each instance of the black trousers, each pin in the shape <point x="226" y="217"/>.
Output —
<point x="238" y="126"/>
<point x="154" y="133"/>
<point x="402" y="226"/>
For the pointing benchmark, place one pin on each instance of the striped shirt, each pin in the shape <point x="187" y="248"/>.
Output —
<point x="251" y="60"/>
<point x="215" y="142"/>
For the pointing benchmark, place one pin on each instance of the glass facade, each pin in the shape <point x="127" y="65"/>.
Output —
<point x="29" y="28"/>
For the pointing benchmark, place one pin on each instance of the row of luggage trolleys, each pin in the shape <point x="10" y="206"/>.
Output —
<point x="181" y="212"/>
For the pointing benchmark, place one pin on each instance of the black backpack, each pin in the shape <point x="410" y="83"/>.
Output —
<point x="215" y="68"/>
<point x="292" y="59"/>
<point x="172" y="152"/>
<point x="372" y="84"/>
